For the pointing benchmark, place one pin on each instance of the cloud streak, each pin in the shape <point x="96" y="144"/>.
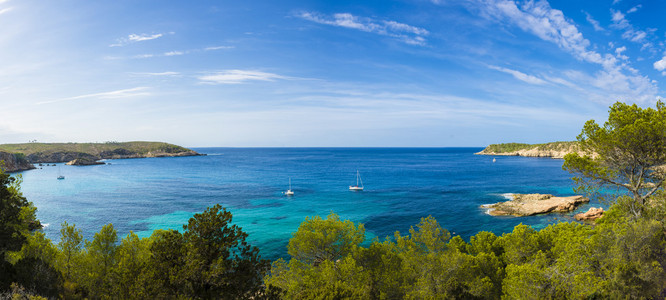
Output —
<point x="594" y="22"/>
<point x="408" y="34"/>
<point x="134" y="38"/>
<point x="520" y="75"/>
<point x="117" y="94"/>
<point x="238" y="77"/>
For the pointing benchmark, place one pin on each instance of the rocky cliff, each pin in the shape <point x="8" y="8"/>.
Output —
<point x="14" y="162"/>
<point x="553" y="150"/>
<point x="66" y="152"/>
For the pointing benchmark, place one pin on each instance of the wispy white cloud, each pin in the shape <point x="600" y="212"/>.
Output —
<point x="619" y="51"/>
<point x="167" y="73"/>
<point x="124" y="93"/>
<point x="634" y="9"/>
<point x="238" y="76"/>
<point x="406" y="33"/>
<point x="630" y="33"/>
<point x="5" y="10"/>
<point x="133" y="38"/>
<point x="174" y="53"/>
<point x="616" y="77"/>
<point x="520" y="75"/>
<point x="594" y="22"/>
<point x="218" y="48"/>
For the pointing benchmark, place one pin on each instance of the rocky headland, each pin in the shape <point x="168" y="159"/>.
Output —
<point x="84" y="162"/>
<point x="552" y="150"/>
<point x="85" y="153"/>
<point x="10" y="162"/>
<point x="533" y="204"/>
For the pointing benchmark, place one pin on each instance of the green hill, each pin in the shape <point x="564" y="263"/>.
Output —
<point x="63" y="152"/>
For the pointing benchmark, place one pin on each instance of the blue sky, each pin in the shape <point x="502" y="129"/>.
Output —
<point x="323" y="73"/>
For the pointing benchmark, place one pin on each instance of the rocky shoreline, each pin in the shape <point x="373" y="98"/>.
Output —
<point x="533" y="204"/>
<point x="10" y="162"/>
<point x="15" y="162"/>
<point x="553" y="150"/>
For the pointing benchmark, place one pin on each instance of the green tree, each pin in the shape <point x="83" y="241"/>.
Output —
<point x="318" y="240"/>
<point x="34" y="265"/>
<point x="167" y="259"/>
<point x="17" y="220"/>
<point x="219" y="262"/>
<point x="322" y="264"/>
<point x="99" y="262"/>
<point x="131" y="266"/>
<point x="627" y="152"/>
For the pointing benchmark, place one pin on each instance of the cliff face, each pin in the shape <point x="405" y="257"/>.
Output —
<point x="553" y="150"/>
<point x="118" y="153"/>
<point x="56" y="157"/>
<point x="14" y="163"/>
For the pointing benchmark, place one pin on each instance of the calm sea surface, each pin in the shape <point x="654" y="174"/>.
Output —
<point x="401" y="186"/>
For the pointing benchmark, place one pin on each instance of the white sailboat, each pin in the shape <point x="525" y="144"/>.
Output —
<point x="60" y="176"/>
<point x="357" y="187"/>
<point x="289" y="192"/>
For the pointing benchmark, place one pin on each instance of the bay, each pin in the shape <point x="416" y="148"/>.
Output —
<point x="402" y="185"/>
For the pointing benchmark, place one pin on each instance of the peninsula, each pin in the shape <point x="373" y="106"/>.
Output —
<point x="553" y="150"/>
<point x="20" y="157"/>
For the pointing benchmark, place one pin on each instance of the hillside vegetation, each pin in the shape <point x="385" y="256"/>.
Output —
<point x="553" y="149"/>
<point x="92" y="148"/>
<point x="64" y="152"/>
<point x="513" y="147"/>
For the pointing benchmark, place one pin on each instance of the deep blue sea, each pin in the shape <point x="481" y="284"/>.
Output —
<point x="402" y="185"/>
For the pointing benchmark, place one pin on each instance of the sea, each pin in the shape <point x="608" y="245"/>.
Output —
<point x="401" y="186"/>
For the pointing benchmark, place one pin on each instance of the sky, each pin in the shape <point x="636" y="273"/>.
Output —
<point x="289" y="73"/>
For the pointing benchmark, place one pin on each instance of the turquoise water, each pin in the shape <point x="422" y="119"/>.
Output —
<point x="401" y="186"/>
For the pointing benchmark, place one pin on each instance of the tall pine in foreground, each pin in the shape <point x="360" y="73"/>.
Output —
<point x="17" y="220"/>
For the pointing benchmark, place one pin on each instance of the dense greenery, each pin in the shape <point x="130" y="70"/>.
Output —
<point x="210" y="259"/>
<point x="622" y="255"/>
<point x="512" y="147"/>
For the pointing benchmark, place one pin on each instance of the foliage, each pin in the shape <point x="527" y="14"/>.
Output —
<point x="318" y="240"/>
<point x="630" y="154"/>
<point x="17" y="220"/>
<point x="218" y="259"/>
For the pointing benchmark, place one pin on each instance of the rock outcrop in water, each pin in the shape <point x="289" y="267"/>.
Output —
<point x="10" y="162"/>
<point x="592" y="214"/>
<point x="84" y="162"/>
<point x="533" y="204"/>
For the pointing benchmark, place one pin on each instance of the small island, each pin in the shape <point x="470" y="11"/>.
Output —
<point x="19" y="157"/>
<point x="533" y="204"/>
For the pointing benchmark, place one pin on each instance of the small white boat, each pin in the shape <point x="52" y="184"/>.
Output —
<point x="60" y="176"/>
<point x="289" y="192"/>
<point x="357" y="187"/>
<point x="494" y="160"/>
